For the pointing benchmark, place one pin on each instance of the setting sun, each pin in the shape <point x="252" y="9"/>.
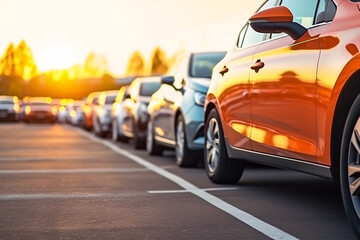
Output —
<point x="57" y="55"/>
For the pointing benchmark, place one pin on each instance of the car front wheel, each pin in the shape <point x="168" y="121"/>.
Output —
<point x="184" y="156"/>
<point x="152" y="147"/>
<point x="350" y="166"/>
<point x="114" y="131"/>
<point x="219" y="167"/>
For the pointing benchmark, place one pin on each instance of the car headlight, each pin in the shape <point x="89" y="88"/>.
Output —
<point x="199" y="98"/>
<point x="27" y="110"/>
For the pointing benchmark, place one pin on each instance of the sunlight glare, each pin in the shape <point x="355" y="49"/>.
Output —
<point x="58" y="56"/>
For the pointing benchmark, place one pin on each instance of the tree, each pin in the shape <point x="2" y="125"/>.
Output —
<point x="136" y="64"/>
<point x="95" y="65"/>
<point x="8" y="61"/>
<point x="159" y="63"/>
<point x="18" y="62"/>
<point x="24" y="62"/>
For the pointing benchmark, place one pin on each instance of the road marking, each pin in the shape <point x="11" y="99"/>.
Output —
<point x="81" y="170"/>
<point x="201" y="189"/>
<point x="44" y="196"/>
<point x="241" y="215"/>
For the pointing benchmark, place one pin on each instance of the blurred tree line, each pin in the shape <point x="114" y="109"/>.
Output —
<point x="19" y="74"/>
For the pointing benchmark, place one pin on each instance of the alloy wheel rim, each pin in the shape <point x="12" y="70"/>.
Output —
<point x="212" y="145"/>
<point x="179" y="141"/>
<point x="354" y="167"/>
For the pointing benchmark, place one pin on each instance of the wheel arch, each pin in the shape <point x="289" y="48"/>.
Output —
<point x="347" y="96"/>
<point x="177" y="114"/>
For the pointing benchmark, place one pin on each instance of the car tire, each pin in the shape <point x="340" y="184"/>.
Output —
<point x="219" y="167"/>
<point x="114" y="131"/>
<point x="152" y="147"/>
<point x="184" y="156"/>
<point x="350" y="166"/>
<point x="97" y="129"/>
<point x="139" y="143"/>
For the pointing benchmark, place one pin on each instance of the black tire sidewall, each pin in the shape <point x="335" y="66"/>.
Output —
<point x="187" y="159"/>
<point x="352" y="118"/>
<point x="228" y="170"/>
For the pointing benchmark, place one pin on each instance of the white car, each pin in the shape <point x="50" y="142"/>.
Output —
<point x="117" y="115"/>
<point x="102" y="113"/>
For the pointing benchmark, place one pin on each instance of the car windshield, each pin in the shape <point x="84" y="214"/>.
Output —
<point x="148" y="88"/>
<point x="6" y="102"/>
<point x="110" y="99"/>
<point x="202" y="64"/>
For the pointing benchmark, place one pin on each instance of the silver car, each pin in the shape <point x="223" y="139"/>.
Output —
<point x="177" y="109"/>
<point x="102" y="113"/>
<point x="117" y="115"/>
<point x="9" y="108"/>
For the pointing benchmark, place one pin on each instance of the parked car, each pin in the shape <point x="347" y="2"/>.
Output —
<point x="75" y="116"/>
<point x="102" y="113"/>
<point x="62" y="114"/>
<point x="9" y="108"/>
<point x="39" y="109"/>
<point x="88" y="110"/>
<point x="287" y="95"/>
<point x="23" y="104"/>
<point x="177" y="109"/>
<point x="117" y="115"/>
<point x="135" y="118"/>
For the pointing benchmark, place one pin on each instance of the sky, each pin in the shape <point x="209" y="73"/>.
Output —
<point x="62" y="33"/>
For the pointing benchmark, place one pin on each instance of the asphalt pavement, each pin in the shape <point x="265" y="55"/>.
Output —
<point x="61" y="182"/>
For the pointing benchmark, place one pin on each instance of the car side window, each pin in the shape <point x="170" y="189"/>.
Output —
<point x="325" y="12"/>
<point x="248" y="36"/>
<point x="305" y="12"/>
<point x="302" y="10"/>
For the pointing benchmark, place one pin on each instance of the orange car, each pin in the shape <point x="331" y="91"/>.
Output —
<point x="88" y="110"/>
<point x="288" y="95"/>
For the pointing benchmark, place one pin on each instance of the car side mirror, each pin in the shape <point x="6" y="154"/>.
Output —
<point x="169" y="80"/>
<point x="277" y="20"/>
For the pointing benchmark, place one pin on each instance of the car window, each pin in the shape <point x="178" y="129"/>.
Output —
<point x="202" y="64"/>
<point x="110" y="99"/>
<point x="325" y="12"/>
<point x="6" y="102"/>
<point x="302" y="10"/>
<point x="148" y="88"/>
<point x="251" y="37"/>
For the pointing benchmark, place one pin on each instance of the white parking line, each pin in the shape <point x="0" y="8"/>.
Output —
<point x="81" y="170"/>
<point x="200" y="189"/>
<point x="241" y="215"/>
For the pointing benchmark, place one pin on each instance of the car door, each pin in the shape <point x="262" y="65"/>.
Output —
<point x="129" y="104"/>
<point x="283" y="91"/>
<point x="233" y="86"/>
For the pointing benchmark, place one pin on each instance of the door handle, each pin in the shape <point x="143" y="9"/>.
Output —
<point x="258" y="65"/>
<point x="224" y="70"/>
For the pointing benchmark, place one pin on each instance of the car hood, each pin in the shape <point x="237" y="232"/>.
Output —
<point x="199" y="84"/>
